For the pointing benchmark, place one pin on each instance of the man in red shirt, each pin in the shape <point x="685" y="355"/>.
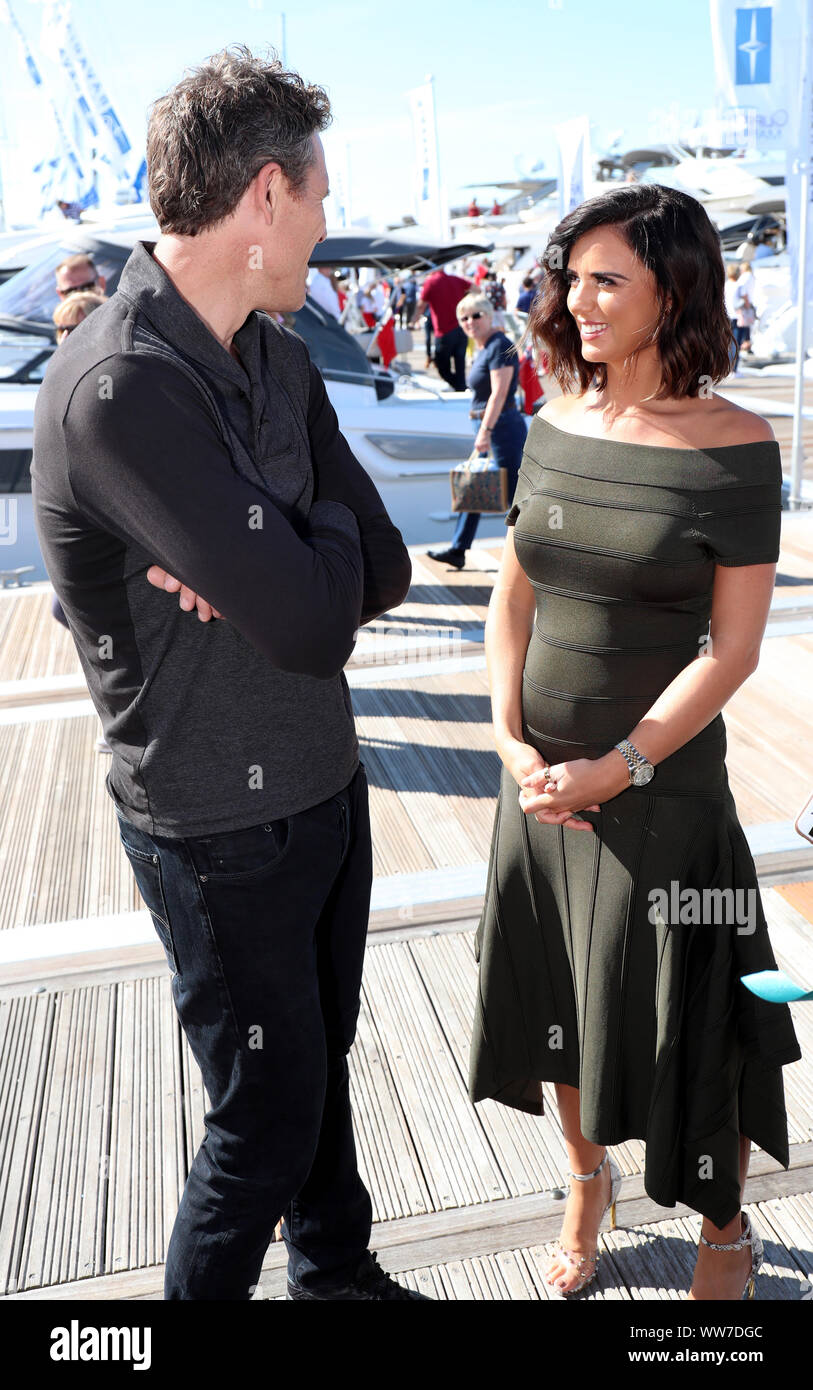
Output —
<point x="441" y="294"/>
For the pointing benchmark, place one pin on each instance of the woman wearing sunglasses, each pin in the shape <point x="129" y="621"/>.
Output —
<point x="499" y="426"/>
<point x="72" y="310"/>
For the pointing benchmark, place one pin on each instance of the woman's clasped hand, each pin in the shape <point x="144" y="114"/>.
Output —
<point x="580" y="785"/>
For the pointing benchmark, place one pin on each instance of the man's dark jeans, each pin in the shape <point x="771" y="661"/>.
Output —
<point x="264" y="930"/>
<point x="450" y="357"/>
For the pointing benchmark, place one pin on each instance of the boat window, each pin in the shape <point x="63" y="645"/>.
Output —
<point x="19" y="351"/>
<point x="15" y="470"/>
<point x="30" y="295"/>
<point x="335" y="352"/>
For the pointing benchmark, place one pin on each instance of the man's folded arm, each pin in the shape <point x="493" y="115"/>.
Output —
<point x="340" y="477"/>
<point x="149" y="465"/>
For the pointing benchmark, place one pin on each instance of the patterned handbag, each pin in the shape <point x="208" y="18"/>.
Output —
<point x="479" y="485"/>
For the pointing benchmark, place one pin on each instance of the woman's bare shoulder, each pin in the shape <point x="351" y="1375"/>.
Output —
<point x="562" y="407"/>
<point x="741" y="426"/>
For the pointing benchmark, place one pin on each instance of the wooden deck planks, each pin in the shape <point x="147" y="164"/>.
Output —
<point x="388" y="1158"/>
<point x="68" y="1172"/>
<point x="428" y="779"/>
<point x="146" y="1132"/>
<point x="78" y="1061"/>
<point x="60" y="856"/>
<point x="785" y="1224"/>
<point x="25" y="1028"/>
<point x="770" y="724"/>
<point x="792" y="940"/>
<point x="32" y="642"/>
<point x="455" y="1158"/>
<point x="800" y="897"/>
<point x="647" y="1263"/>
<point x="531" y="1154"/>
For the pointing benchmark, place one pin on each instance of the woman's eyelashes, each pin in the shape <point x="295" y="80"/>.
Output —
<point x="599" y="279"/>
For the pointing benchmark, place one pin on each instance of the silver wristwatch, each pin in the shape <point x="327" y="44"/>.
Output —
<point x="641" y="771"/>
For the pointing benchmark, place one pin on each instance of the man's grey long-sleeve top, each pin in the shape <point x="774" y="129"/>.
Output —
<point x="153" y="445"/>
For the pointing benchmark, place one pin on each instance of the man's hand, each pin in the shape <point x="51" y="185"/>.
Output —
<point x="188" y="600"/>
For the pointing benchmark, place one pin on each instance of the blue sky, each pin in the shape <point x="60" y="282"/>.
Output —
<point x="504" y="73"/>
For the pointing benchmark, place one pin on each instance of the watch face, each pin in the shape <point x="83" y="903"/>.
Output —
<point x="642" y="775"/>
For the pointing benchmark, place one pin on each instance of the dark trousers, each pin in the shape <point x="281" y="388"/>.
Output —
<point x="742" y="332"/>
<point x="264" y="930"/>
<point x="507" y="444"/>
<point x="450" y="357"/>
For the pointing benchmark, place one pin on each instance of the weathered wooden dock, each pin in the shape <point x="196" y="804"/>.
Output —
<point x="101" y="1104"/>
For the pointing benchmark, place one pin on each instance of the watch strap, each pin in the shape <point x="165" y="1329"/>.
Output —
<point x="632" y="756"/>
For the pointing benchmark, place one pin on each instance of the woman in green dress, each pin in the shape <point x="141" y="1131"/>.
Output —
<point x="647" y="513"/>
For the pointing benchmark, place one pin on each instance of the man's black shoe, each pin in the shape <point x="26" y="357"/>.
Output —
<point x="454" y="557"/>
<point x="370" y="1282"/>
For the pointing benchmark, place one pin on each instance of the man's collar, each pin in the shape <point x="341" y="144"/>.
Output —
<point x="148" y="285"/>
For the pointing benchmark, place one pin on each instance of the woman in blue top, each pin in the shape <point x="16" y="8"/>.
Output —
<point x="499" y="426"/>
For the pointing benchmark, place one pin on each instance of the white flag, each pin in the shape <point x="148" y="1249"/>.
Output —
<point x="575" y="165"/>
<point x="60" y="40"/>
<point x="69" y="173"/>
<point x="428" y="198"/>
<point x="757" y="53"/>
<point x="800" y="148"/>
<point x="337" y="153"/>
<point x="762" y="55"/>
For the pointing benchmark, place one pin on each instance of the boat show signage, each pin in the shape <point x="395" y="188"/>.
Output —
<point x="798" y="180"/>
<point x="757" y="53"/>
<point x="575" y="163"/>
<point x="762" y="55"/>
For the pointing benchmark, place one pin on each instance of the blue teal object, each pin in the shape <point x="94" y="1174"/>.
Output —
<point x="775" y="986"/>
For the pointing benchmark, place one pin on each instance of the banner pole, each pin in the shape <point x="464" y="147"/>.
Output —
<point x="802" y="168"/>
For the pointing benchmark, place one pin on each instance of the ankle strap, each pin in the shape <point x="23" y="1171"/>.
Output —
<point x="585" y="1177"/>
<point x="745" y="1239"/>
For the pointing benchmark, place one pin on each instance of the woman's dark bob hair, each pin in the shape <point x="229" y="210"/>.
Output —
<point x="670" y="233"/>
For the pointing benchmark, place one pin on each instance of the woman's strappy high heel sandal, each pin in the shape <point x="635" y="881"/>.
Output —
<point x="748" y="1237"/>
<point x="586" y="1266"/>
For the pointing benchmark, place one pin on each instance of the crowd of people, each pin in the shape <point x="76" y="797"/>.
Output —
<point x="427" y="302"/>
<point x="740" y="288"/>
<point x="424" y="301"/>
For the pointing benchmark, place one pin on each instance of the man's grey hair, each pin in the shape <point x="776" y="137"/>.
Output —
<point x="210" y="135"/>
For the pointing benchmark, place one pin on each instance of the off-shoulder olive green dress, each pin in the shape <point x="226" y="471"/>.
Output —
<point x="583" y="978"/>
